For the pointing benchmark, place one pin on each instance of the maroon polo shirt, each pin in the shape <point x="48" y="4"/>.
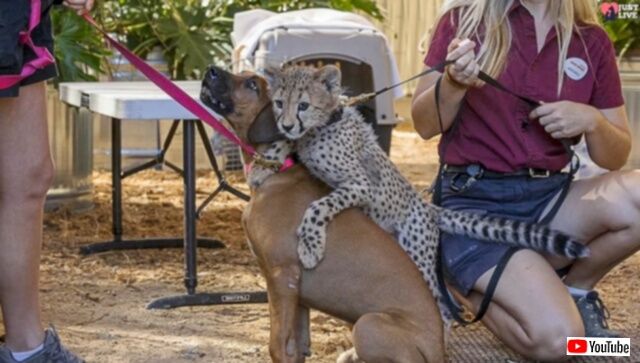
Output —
<point x="491" y="126"/>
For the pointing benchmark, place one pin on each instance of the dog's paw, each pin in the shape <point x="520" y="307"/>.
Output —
<point x="258" y="175"/>
<point x="311" y="242"/>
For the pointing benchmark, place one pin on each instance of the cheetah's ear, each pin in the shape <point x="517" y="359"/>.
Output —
<point x="273" y="75"/>
<point x="330" y="76"/>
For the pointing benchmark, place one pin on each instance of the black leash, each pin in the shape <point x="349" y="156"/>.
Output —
<point x="454" y="308"/>
<point x="368" y="96"/>
<point x="481" y="75"/>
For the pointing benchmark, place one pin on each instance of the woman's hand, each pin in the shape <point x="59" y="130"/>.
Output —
<point x="566" y="119"/>
<point x="80" y="6"/>
<point x="464" y="72"/>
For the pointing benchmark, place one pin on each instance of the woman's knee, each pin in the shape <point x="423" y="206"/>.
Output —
<point x="634" y="189"/>
<point x="548" y="343"/>
<point x="626" y="205"/>
<point x="617" y="195"/>
<point x="30" y="183"/>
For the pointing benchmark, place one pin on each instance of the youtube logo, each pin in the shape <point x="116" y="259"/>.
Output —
<point x="576" y="346"/>
<point x="607" y="347"/>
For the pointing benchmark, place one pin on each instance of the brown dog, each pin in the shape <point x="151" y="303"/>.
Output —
<point x="365" y="278"/>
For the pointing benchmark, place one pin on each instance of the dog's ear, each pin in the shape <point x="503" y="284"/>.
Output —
<point x="330" y="77"/>
<point x="273" y="75"/>
<point x="264" y="129"/>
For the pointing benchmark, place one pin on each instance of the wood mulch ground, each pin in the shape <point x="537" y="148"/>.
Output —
<point x="98" y="302"/>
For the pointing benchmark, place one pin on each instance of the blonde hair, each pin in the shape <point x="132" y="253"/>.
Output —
<point x="491" y="16"/>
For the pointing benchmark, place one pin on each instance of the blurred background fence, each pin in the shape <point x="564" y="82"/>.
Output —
<point x="183" y="37"/>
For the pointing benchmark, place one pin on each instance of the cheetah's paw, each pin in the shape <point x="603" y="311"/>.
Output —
<point x="311" y="243"/>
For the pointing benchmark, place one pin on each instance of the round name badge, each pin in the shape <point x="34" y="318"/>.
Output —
<point x="575" y="68"/>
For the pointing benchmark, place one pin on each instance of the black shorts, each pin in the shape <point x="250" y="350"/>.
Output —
<point x="14" y="18"/>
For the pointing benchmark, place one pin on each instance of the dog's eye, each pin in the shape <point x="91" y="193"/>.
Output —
<point x="303" y="106"/>
<point x="252" y="85"/>
<point x="278" y="103"/>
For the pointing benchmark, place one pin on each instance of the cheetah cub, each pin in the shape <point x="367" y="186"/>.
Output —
<point x="338" y="147"/>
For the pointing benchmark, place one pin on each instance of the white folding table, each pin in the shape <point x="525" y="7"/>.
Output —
<point x="144" y="101"/>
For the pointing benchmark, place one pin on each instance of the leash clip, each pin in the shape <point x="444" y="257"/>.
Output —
<point x="350" y="101"/>
<point x="473" y="172"/>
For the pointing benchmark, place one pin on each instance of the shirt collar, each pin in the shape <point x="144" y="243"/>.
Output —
<point x="514" y="5"/>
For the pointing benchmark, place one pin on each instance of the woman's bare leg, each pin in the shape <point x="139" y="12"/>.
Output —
<point x="26" y="171"/>
<point x="604" y="212"/>
<point x="531" y="310"/>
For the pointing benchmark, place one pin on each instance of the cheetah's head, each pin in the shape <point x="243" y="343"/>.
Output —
<point x="303" y="97"/>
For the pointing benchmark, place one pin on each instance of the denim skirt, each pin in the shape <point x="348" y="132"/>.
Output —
<point x="518" y="197"/>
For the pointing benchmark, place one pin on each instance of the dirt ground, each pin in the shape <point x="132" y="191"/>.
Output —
<point x="98" y="302"/>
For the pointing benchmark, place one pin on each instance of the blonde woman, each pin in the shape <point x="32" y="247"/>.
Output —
<point x="505" y="157"/>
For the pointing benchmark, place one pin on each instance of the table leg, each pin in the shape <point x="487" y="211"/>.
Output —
<point x="223" y="185"/>
<point x="116" y="178"/>
<point x="189" y="242"/>
<point x="189" y="156"/>
<point x="190" y="280"/>
<point x="118" y="244"/>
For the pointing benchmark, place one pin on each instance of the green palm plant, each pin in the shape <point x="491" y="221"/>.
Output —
<point x="624" y="33"/>
<point x="194" y="33"/>
<point x="79" y="50"/>
<point x="191" y="33"/>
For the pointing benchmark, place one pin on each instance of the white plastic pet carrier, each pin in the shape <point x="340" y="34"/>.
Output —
<point x="323" y="36"/>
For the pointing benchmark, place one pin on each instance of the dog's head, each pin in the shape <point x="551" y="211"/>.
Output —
<point x="243" y="100"/>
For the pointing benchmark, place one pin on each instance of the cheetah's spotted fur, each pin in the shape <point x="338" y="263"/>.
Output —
<point x="339" y="148"/>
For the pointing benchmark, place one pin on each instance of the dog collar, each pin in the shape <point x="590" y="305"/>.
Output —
<point x="276" y="166"/>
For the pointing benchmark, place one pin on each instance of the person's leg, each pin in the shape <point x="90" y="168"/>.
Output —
<point x="26" y="171"/>
<point x="604" y="212"/>
<point x="531" y="310"/>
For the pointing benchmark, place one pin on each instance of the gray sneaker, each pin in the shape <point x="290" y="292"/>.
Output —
<point x="53" y="352"/>
<point x="594" y="316"/>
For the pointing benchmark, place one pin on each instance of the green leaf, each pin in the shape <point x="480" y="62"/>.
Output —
<point x="192" y="33"/>
<point x="79" y="50"/>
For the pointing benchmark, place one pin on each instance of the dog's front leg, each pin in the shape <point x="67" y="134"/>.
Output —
<point x="283" y="287"/>
<point x="303" y="333"/>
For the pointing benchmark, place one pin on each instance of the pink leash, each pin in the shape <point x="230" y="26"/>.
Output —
<point x="179" y="95"/>
<point x="43" y="56"/>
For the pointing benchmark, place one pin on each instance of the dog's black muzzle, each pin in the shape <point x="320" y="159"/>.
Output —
<point x="216" y="90"/>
